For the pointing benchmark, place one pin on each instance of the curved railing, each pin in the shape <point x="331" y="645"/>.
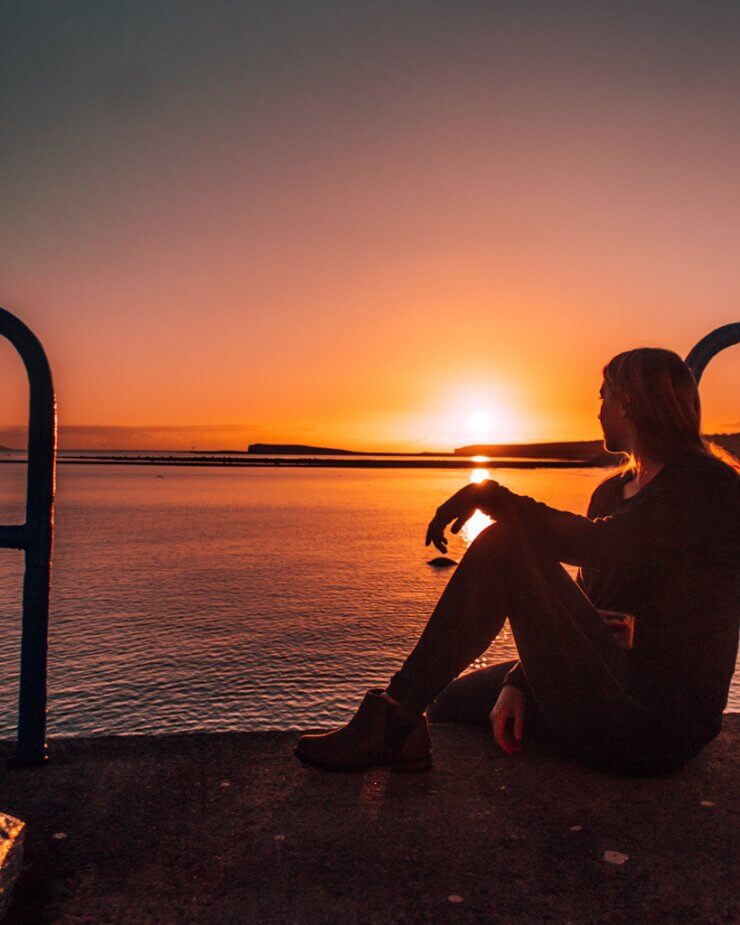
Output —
<point x="35" y="538"/>
<point x="726" y="336"/>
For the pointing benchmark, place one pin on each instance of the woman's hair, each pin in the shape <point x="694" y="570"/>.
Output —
<point x="659" y="394"/>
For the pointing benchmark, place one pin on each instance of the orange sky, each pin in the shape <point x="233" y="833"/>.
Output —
<point x="360" y="229"/>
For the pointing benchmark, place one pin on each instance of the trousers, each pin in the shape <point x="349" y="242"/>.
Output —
<point x="581" y="685"/>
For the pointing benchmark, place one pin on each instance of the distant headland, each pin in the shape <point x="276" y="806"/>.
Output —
<point x="581" y="450"/>
<point x="295" y="449"/>
<point x="591" y="451"/>
<point x="298" y="449"/>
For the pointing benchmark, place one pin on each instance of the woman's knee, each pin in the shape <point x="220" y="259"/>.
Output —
<point x="505" y="544"/>
<point x="497" y="541"/>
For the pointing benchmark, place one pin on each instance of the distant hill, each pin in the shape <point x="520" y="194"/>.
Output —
<point x="585" y="450"/>
<point x="295" y="449"/>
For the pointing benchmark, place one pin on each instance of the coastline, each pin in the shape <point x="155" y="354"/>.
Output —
<point x="326" y="463"/>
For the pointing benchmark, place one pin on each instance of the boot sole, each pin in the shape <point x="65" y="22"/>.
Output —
<point x="402" y="766"/>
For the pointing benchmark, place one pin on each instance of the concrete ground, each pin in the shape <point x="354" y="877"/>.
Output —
<point x="231" y="828"/>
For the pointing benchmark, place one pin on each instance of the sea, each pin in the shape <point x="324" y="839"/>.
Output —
<point x="209" y="598"/>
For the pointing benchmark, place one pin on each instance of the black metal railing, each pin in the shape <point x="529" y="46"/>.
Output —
<point x="726" y="336"/>
<point x="35" y="538"/>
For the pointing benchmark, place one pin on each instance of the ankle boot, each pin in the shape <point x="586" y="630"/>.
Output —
<point x="380" y="733"/>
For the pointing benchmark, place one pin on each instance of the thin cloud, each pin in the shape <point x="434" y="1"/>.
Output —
<point x="164" y="437"/>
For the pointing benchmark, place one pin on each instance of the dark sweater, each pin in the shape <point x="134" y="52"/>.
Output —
<point x="671" y="556"/>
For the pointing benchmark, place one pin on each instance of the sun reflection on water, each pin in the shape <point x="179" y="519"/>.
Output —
<point x="479" y="521"/>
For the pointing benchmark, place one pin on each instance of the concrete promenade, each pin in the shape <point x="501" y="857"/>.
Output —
<point x="231" y="828"/>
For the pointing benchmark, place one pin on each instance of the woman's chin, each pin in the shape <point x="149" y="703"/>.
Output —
<point x="611" y="446"/>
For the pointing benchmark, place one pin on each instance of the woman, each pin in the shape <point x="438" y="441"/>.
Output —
<point x="660" y="542"/>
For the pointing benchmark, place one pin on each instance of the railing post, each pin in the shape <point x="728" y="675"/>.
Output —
<point x="35" y="537"/>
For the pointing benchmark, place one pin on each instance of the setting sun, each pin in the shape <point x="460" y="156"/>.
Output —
<point x="479" y="424"/>
<point x="476" y="411"/>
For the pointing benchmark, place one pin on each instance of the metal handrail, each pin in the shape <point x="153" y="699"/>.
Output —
<point x="35" y="538"/>
<point x="720" y="338"/>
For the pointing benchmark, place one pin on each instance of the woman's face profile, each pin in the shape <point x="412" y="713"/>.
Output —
<point x="613" y="420"/>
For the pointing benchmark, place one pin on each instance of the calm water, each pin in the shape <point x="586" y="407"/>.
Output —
<point x="211" y="599"/>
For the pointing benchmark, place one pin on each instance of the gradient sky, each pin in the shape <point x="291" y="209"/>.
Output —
<point x="360" y="224"/>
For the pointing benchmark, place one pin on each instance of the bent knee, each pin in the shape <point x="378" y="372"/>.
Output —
<point x="497" y="538"/>
<point x="505" y="541"/>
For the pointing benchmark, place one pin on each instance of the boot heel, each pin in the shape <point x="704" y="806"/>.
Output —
<point x="376" y="736"/>
<point x="411" y="765"/>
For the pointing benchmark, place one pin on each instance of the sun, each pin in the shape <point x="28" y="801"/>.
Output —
<point x="479" y="424"/>
<point x="472" y="414"/>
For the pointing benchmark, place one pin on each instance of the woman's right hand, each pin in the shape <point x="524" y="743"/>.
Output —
<point x="455" y="510"/>
<point x="511" y="705"/>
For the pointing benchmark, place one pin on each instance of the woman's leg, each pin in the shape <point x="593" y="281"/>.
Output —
<point x="579" y="677"/>
<point x="470" y="698"/>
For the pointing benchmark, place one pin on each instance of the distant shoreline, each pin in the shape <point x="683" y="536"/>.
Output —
<point x="344" y="463"/>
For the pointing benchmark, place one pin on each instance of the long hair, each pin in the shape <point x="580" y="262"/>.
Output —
<point x="659" y="394"/>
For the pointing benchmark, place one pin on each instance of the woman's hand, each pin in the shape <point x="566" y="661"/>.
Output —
<point x="511" y="705"/>
<point x="458" y="508"/>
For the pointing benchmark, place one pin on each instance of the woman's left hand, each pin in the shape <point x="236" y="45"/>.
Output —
<point x="509" y="708"/>
<point x="459" y="508"/>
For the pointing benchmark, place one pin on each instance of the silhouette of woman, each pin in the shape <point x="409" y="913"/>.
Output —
<point x="660" y="542"/>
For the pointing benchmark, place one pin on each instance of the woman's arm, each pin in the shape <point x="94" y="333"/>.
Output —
<point x="455" y="510"/>
<point x="686" y="510"/>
